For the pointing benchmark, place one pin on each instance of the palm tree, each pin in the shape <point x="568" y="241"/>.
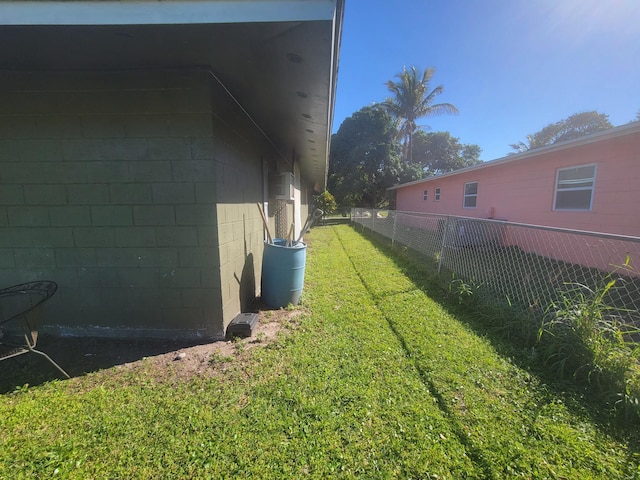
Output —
<point x="413" y="100"/>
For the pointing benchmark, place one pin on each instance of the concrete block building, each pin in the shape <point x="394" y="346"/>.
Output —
<point x="136" y="139"/>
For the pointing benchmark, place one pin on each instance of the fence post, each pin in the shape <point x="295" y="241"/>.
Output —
<point x="393" y="235"/>
<point x="444" y="241"/>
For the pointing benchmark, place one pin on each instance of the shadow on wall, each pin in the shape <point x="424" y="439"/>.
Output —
<point x="247" y="280"/>
<point x="247" y="284"/>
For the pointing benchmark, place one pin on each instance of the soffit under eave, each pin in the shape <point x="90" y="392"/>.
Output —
<point x="283" y="73"/>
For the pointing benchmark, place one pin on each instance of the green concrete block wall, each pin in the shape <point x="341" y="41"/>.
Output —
<point x="240" y="235"/>
<point x="109" y="185"/>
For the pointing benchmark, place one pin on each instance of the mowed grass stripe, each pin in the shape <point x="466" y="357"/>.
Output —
<point x="335" y="398"/>
<point x="369" y="261"/>
<point x="516" y="424"/>
<point x="520" y="427"/>
<point x="351" y="388"/>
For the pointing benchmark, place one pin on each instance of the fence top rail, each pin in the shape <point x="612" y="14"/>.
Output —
<point x="610" y="236"/>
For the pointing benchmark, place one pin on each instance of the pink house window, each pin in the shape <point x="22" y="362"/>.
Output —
<point x="436" y="194"/>
<point x="470" y="195"/>
<point x="425" y="195"/>
<point x="574" y="188"/>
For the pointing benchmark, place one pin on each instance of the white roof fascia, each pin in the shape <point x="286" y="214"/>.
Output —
<point x="335" y="54"/>
<point x="621" y="130"/>
<point x="167" y="12"/>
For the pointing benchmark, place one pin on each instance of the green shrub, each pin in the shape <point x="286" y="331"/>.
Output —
<point x="583" y="336"/>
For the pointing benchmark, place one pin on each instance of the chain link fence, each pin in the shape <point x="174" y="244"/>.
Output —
<point x="525" y="265"/>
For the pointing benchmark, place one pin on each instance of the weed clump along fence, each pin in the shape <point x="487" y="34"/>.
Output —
<point x="573" y="297"/>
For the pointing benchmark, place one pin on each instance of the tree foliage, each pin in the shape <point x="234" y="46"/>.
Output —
<point x="365" y="159"/>
<point x="411" y="101"/>
<point x="325" y="202"/>
<point x="439" y="152"/>
<point x="574" y="126"/>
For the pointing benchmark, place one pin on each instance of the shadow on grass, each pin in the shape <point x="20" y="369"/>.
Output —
<point x="79" y="356"/>
<point x="334" y="221"/>
<point x="513" y="345"/>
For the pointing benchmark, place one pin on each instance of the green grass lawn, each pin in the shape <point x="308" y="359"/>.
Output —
<point x="378" y="381"/>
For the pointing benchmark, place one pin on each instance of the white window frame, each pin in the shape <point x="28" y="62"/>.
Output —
<point x="436" y="194"/>
<point x="590" y="188"/>
<point x="472" y="195"/>
<point x="425" y="194"/>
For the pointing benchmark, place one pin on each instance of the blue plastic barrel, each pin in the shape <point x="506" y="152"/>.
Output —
<point x="282" y="273"/>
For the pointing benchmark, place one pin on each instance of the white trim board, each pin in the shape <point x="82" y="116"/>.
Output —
<point x="166" y="12"/>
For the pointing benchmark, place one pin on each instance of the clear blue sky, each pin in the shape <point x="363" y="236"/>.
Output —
<point x="510" y="66"/>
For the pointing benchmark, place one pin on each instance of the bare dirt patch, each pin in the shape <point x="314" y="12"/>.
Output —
<point x="161" y="360"/>
<point x="209" y="358"/>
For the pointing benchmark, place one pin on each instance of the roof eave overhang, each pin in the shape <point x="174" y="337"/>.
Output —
<point x="293" y="108"/>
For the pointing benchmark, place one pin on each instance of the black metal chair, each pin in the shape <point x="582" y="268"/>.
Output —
<point x="20" y="313"/>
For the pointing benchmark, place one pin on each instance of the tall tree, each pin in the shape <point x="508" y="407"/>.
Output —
<point x="439" y="152"/>
<point x="411" y="101"/>
<point x="365" y="159"/>
<point x="574" y="126"/>
<point x="325" y="202"/>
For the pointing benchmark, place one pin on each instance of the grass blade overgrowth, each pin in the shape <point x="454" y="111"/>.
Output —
<point x="377" y="381"/>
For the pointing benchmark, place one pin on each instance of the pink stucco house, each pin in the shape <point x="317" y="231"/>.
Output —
<point x="588" y="184"/>
<point x="591" y="183"/>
